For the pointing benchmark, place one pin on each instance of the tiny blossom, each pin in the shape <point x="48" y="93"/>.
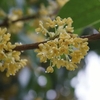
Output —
<point x="9" y="59"/>
<point x="43" y="10"/>
<point x="49" y="69"/>
<point x="61" y="2"/>
<point x="63" y="49"/>
<point x="41" y="28"/>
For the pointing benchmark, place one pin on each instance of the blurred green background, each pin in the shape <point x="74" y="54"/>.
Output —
<point x="31" y="82"/>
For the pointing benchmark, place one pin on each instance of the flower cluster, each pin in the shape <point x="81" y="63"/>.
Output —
<point x="14" y="15"/>
<point x="63" y="48"/>
<point x="9" y="59"/>
<point x="49" y="11"/>
<point x="46" y="11"/>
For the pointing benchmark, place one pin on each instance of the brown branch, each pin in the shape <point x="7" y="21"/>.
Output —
<point x="92" y="37"/>
<point x="5" y="22"/>
<point x="25" y="18"/>
<point x="35" y="45"/>
<point x="28" y="46"/>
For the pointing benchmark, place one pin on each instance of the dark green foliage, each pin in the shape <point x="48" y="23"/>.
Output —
<point x="84" y="13"/>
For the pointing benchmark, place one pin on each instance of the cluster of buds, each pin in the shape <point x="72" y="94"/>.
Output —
<point x="14" y="15"/>
<point x="63" y="48"/>
<point x="9" y="59"/>
<point x="49" y="11"/>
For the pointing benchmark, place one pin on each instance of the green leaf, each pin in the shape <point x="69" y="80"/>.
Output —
<point x="7" y="4"/>
<point x="84" y="13"/>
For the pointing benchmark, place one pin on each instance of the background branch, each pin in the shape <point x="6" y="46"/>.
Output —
<point x="25" y="18"/>
<point x="5" y="22"/>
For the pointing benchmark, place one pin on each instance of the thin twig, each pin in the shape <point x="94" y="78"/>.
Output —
<point x="25" y="18"/>
<point x="5" y="22"/>
<point x="35" y="45"/>
<point x="28" y="46"/>
<point x="92" y="37"/>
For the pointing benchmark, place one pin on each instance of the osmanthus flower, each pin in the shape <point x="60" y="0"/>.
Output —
<point x="63" y="48"/>
<point x="10" y="60"/>
<point x="11" y="17"/>
<point x="49" y="11"/>
<point x="46" y="11"/>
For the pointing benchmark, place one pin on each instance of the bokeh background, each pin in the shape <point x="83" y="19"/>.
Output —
<point x="31" y="82"/>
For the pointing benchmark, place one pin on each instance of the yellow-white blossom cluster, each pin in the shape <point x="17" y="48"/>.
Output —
<point x="63" y="48"/>
<point x="49" y="11"/>
<point x="9" y="59"/>
<point x="14" y="15"/>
